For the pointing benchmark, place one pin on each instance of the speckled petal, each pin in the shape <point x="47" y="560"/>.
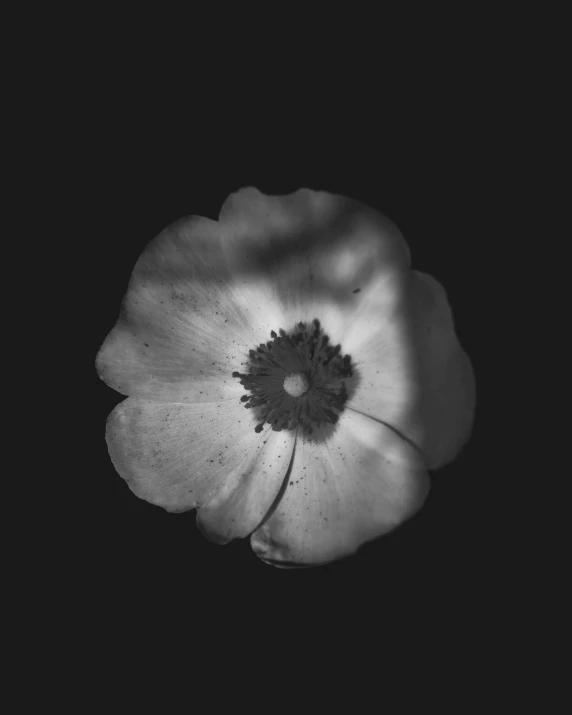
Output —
<point x="361" y="483"/>
<point x="181" y="456"/>
<point x="248" y="492"/>
<point x="414" y="375"/>
<point x="186" y="323"/>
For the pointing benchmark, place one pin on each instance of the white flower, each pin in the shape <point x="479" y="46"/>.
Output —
<point x="287" y="374"/>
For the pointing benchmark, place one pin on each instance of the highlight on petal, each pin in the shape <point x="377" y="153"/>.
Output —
<point x="415" y="375"/>
<point x="182" y="456"/>
<point x="185" y="325"/>
<point x="342" y="493"/>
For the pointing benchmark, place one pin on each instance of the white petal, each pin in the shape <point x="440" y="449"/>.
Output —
<point x="315" y="250"/>
<point x="186" y="322"/>
<point x="414" y="375"/>
<point x="360" y="484"/>
<point x="249" y="492"/>
<point x="181" y="456"/>
<point x="203" y="293"/>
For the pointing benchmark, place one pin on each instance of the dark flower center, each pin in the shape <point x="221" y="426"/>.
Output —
<point x="297" y="380"/>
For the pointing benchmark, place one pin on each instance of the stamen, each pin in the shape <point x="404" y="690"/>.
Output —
<point x="296" y="380"/>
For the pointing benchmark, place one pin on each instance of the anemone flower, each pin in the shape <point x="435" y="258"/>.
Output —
<point x="287" y="374"/>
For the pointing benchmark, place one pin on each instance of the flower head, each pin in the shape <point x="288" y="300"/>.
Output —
<point x="288" y="375"/>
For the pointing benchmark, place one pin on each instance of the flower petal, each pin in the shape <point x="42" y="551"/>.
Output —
<point x="185" y="324"/>
<point x="181" y="456"/>
<point x="203" y="292"/>
<point x="414" y="374"/>
<point x="248" y="492"/>
<point x="446" y="407"/>
<point x="317" y="250"/>
<point x="343" y="492"/>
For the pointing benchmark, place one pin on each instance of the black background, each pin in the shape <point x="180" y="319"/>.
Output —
<point x="437" y="123"/>
<point x="433" y="167"/>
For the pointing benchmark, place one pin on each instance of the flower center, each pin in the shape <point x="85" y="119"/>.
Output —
<point x="296" y="384"/>
<point x="297" y="380"/>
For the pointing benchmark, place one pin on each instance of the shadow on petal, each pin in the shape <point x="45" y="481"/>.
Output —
<point x="442" y="411"/>
<point x="415" y="376"/>
<point x="311" y="244"/>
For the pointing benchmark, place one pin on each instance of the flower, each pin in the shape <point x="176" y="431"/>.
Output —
<point x="288" y="375"/>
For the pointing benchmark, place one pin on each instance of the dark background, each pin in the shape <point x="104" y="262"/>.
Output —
<point x="437" y="173"/>
<point x="436" y="123"/>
